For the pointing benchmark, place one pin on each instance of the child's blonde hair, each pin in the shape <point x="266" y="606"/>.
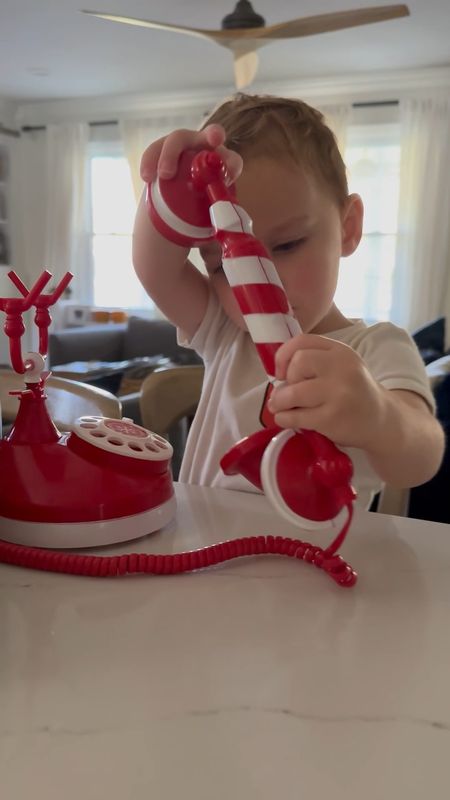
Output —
<point x="264" y="125"/>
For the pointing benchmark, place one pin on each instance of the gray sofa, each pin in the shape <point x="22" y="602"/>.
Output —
<point x="138" y="338"/>
<point x="113" y="342"/>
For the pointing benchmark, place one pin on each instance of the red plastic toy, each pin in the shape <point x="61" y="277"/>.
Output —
<point x="304" y="475"/>
<point x="108" y="480"/>
<point x="80" y="489"/>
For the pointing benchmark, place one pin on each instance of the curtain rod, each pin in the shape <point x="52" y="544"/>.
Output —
<point x="9" y="132"/>
<point x="372" y="103"/>
<point x="31" y="128"/>
<point x="368" y="104"/>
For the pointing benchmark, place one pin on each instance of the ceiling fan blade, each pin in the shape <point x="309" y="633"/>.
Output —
<point x="245" y="68"/>
<point x="145" y="23"/>
<point x="325" y="23"/>
<point x="246" y="40"/>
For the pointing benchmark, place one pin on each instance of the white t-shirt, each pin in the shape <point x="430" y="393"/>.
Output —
<point x="235" y="383"/>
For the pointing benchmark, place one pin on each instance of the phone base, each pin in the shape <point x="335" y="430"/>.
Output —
<point x="70" y="535"/>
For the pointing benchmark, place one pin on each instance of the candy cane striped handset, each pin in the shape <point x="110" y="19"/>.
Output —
<point x="303" y="474"/>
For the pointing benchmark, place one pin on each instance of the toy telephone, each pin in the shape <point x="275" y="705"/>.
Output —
<point x="109" y="480"/>
<point x="80" y="489"/>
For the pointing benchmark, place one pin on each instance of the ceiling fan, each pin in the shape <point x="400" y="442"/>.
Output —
<point x="243" y="31"/>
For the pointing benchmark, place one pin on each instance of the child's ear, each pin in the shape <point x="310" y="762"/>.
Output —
<point x="352" y="224"/>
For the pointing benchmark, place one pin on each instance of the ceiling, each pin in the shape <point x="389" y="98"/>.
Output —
<point x="49" y="50"/>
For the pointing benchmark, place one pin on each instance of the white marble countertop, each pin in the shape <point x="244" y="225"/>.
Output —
<point x="257" y="680"/>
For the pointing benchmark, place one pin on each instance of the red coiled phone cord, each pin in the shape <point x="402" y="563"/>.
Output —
<point x="136" y="563"/>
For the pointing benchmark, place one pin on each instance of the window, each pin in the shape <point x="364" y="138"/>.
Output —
<point x="372" y="157"/>
<point x="112" y="211"/>
<point x="364" y="290"/>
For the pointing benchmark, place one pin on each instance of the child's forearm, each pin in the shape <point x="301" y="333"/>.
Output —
<point x="159" y="264"/>
<point x="408" y="445"/>
<point x="152" y="253"/>
<point x="176" y="287"/>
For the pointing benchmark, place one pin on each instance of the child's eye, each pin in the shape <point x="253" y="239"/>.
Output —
<point x="286" y="247"/>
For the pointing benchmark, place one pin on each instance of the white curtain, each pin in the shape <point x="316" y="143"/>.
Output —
<point x="337" y="117"/>
<point x="138" y="134"/>
<point x="32" y="202"/>
<point x="66" y="159"/>
<point x="421" y="278"/>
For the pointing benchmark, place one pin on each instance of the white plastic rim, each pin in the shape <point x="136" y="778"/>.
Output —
<point x="34" y="367"/>
<point x="123" y="437"/>
<point x="269" y="482"/>
<point x="228" y="216"/>
<point x="97" y="533"/>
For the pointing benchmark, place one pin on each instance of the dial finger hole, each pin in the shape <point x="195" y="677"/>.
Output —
<point x="136" y="447"/>
<point x="160" y="441"/>
<point x="153" y="447"/>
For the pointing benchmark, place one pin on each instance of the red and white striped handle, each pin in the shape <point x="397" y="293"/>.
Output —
<point x="247" y="265"/>
<point x="199" y="206"/>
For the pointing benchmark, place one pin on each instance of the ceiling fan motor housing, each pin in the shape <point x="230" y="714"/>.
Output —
<point x="243" y="16"/>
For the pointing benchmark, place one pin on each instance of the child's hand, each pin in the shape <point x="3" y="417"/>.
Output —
<point x="161" y="157"/>
<point x="327" y="388"/>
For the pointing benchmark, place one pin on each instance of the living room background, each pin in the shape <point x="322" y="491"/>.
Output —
<point x="393" y="130"/>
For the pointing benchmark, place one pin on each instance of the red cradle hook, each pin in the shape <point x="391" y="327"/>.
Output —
<point x="14" y="328"/>
<point x="42" y="302"/>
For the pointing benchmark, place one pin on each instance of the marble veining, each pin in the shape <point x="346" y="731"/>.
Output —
<point x="251" y="681"/>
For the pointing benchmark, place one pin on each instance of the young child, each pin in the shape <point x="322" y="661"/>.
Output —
<point x="365" y="387"/>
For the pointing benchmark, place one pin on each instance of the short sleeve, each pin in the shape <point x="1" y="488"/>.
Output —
<point x="393" y="359"/>
<point x="209" y="334"/>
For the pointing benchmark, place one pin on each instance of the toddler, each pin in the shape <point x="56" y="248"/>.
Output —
<point x="363" y="386"/>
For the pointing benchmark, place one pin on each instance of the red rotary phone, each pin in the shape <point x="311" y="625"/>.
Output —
<point x="106" y="481"/>
<point x="109" y="480"/>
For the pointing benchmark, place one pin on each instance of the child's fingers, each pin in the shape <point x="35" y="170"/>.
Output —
<point x="149" y="160"/>
<point x="303" y="341"/>
<point x="214" y="135"/>
<point x="308" y="394"/>
<point x="161" y="157"/>
<point x="174" y="145"/>
<point x="307" y="364"/>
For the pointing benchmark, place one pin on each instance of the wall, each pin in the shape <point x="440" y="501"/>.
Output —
<point x="8" y="111"/>
<point x="344" y="88"/>
<point x="10" y="139"/>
